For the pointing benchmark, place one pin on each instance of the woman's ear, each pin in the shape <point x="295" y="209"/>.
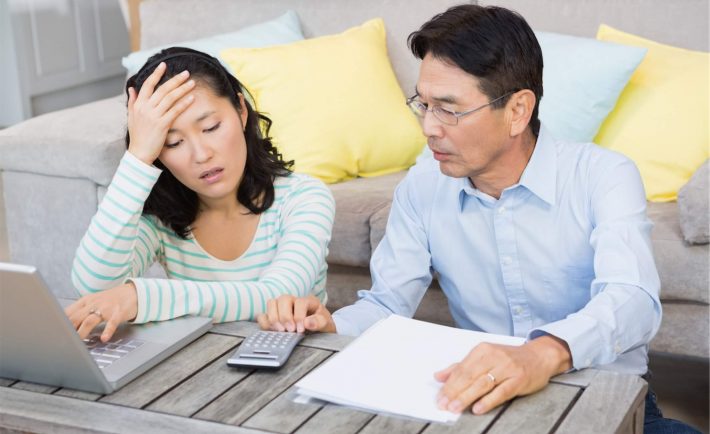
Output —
<point x="521" y="105"/>
<point x="243" y="112"/>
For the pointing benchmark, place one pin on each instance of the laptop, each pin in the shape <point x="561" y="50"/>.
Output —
<point x="39" y="344"/>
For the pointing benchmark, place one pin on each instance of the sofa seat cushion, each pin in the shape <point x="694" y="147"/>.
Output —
<point x="80" y="142"/>
<point x="694" y="206"/>
<point x="684" y="330"/>
<point x="683" y="268"/>
<point x="359" y="204"/>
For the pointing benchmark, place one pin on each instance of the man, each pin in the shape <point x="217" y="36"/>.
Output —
<point x="529" y="236"/>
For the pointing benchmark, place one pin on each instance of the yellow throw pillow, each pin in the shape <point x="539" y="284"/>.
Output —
<point x="661" y="120"/>
<point x="337" y="107"/>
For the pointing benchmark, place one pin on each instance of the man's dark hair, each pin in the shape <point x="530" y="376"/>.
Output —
<point x="172" y="202"/>
<point x="495" y="45"/>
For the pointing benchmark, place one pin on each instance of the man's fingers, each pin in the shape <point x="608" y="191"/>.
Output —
<point x="285" y="304"/>
<point x="469" y="395"/>
<point x="443" y="375"/>
<point x="501" y="393"/>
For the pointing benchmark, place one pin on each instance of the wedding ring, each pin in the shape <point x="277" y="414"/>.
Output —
<point x="491" y="377"/>
<point x="96" y="312"/>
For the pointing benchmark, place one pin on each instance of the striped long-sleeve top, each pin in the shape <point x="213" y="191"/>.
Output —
<point x="286" y="256"/>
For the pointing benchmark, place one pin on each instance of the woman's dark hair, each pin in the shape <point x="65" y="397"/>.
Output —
<point x="495" y="45"/>
<point x="172" y="202"/>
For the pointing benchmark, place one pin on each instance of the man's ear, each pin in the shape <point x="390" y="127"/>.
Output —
<point x="521" y="106"/>
<point x="243" y="112"/>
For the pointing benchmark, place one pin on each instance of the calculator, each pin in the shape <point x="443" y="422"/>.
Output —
<point x="265" y="349"/>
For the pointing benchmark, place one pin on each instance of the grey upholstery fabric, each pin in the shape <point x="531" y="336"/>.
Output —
<point x="684" y="330"/>
<point x="81" y="142"/>
<point x="694" y="207"/>
<point x="683" y="268"/>
<point x="168" y="21"/>
<point x="356" y="203"/>
<point x="46" y="218"/>
<point x="679" y="23"/>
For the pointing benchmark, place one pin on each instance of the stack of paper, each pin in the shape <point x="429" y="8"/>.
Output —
<point x="390" y="368"/>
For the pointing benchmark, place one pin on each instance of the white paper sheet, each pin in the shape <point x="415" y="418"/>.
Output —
<point x="390" y="368"/>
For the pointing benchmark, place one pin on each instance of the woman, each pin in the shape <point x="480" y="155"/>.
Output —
<point x="201" y="190"/>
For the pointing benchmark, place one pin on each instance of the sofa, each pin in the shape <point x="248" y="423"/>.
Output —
<point x="56" y="167"/>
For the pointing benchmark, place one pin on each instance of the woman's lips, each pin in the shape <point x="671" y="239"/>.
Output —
<point x="211" y="176"/>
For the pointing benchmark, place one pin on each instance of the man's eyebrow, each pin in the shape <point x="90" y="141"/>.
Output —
<point x="447" y="99"/>
<point x="201" y="118"/>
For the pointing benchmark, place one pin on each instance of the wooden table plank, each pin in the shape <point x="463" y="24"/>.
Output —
<point x="381" y="424"/>
<point x="537" y="413"/>
<point x="323" y="341"/>
<point x="34" y="387"/>
<point x="467" y="423"/>
<point x="172" y="371"/>
<point x="581" y="378"/>
<point x="33" y="412"/>
<point x="336" y="419"/>
<point x="78" y="394"/>
<point x="253" y="393"/>
<point x="609" y="404"/>
<point x="200" y="389"/>
<point x="282" y="415"/>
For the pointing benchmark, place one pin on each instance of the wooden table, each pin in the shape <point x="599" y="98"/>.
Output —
<point x="195" y="391"/>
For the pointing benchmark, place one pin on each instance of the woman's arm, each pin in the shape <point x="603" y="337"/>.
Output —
<point x="298" y="268"/>
<point x="119" y="242"/>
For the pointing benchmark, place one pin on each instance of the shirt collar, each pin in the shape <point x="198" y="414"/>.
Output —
<point x="539" y="176"/>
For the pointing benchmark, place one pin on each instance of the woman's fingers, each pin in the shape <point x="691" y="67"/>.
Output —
<point x="88" y="324"/>
<point x="148" y="87"/>
<point x="175" y="95"/>
<point x="166" y="88"/>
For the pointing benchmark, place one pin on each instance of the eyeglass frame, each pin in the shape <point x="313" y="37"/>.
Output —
<point x="456" y="114"/>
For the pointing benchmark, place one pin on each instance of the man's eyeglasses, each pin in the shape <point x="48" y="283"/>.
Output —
<point x="448" y="117"/>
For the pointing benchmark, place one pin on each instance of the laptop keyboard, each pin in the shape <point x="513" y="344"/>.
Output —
<point x="105" y="354"/>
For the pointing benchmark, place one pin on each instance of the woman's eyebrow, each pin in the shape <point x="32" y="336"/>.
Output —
<point x="201" y="118"/>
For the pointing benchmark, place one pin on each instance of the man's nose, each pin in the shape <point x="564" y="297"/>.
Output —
<point x="431" y="126"/>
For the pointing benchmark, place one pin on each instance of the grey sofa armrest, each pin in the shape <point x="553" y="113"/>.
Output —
<point x="80" y="142"/>
<point x="694" y="207"/>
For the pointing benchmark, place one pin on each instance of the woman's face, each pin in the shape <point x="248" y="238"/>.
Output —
<point x="205" y="148"/>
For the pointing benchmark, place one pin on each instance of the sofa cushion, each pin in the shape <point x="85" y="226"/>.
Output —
<point x="683" y="268"/>
<point x="693" y="206"/>
<point x="358" y="203"/>
<point x="337" y="109"/>
<point x="684" y="330"/>
<point x="657" y="120"/>
<point x="80" y="142"/>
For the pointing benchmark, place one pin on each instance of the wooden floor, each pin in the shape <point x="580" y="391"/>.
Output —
<point x="682" y="395"/>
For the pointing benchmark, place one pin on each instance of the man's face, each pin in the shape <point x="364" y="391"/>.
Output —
<point x="476" y="145"/>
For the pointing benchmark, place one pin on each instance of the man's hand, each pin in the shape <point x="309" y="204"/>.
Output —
<point x="288" y="313"/>
<point x="492" y="374"/>
<point x="115" y="305"/>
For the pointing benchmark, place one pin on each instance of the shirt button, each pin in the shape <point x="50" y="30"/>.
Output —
<point x="501" y="210"/>
<point x="518" y="310"/>
<point x="507" y="260"/>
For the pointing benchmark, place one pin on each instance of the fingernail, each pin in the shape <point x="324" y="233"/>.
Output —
<point x="477" y="408"/>
<point x="299" y="327"/>
<point x="162" y="65"/>
<point x="443" y="402"/>
<point x="291" y="327"/>
<point x="455" y="406"/>
<point x="191" y="83"/>
<point x="280" y="327"/>
<point x="185" y="73"/>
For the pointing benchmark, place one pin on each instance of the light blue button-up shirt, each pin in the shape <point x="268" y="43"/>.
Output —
<point x="565" y="252"/>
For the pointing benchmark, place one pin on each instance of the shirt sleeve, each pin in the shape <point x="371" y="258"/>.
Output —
<point x="624" y="311"/>
<point x="297" y="268"/>
<point x="400" y="267"/>
<point x="119" y="242"/>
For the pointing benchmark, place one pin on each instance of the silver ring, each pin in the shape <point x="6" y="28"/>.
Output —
<point x="491" y="377"/>
<point x="96" y="312"/>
